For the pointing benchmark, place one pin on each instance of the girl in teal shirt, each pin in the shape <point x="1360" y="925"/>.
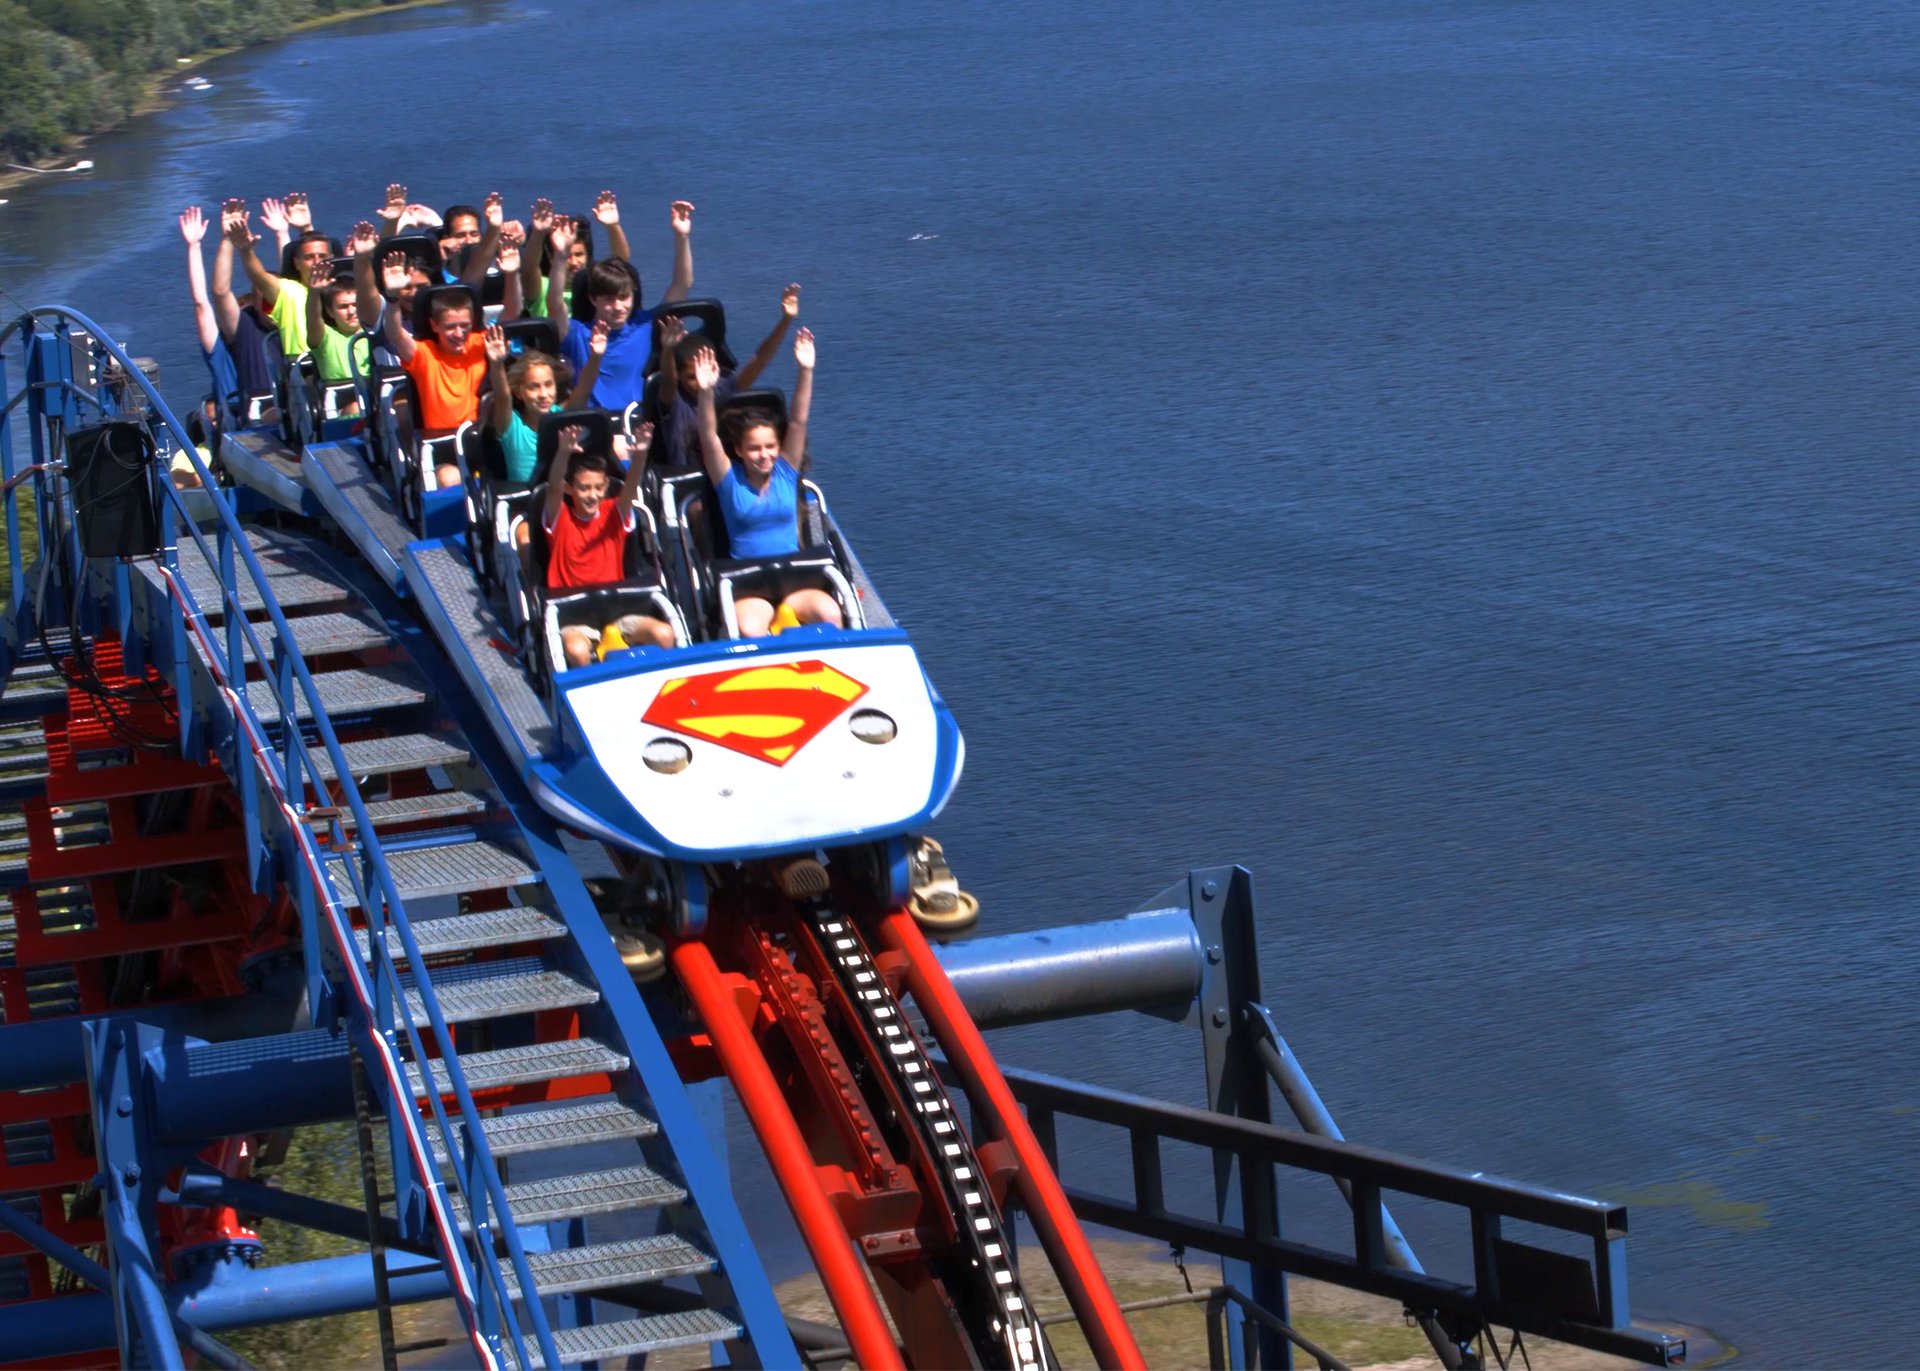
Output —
<point x="525" y="393"/>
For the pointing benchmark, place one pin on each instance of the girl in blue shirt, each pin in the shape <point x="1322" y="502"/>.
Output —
<point x="759" y="489"/>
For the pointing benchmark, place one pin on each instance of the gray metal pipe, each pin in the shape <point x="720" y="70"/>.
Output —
<point x="1150" y="961"/>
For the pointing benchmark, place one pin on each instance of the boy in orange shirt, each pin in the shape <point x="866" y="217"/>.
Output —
<point x="447" y="368"/>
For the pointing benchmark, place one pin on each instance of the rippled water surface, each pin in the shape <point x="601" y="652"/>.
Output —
<point x="1455" y="460"/>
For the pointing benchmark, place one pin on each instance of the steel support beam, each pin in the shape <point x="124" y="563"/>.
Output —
<point x="1152" y="961"/>
<point x="53" y="1052"/>
<point x="232" y="1297"/>
<point x="1221" y="899"/>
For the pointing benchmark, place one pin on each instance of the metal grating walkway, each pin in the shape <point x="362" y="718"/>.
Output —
<point x="522" y="1065"/>
<point x="396" y="752"/>
<point x="595" y="1192"/>
<point x="343" y="694"/>
<point x="296" y="574"/>
<point x="349" y="491"/>
<point x="630" y="1337"/>
<point x="632" y="1261"/>
<point x="464" y="932"/>
<point x="450" y="869"/>
<point x="573" y="1125"/>
<point x="496" y="990"/>
<point x="453" y="587"/>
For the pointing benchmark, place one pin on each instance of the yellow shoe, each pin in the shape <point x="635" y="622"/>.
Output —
<point x="611" y="640"/>
<point x="784" y="619"/>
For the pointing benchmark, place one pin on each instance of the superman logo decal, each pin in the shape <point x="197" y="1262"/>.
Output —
<point x="768" y="712"/>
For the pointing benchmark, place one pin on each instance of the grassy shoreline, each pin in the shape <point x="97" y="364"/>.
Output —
<point x="160" y="87"/>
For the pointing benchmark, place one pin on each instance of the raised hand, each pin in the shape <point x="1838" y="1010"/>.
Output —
<point x="273" y="215"/>
<point x="418" y="215"/>
<point x="790" y="300"/>
<point x="394" y="273"/>
<point x="606" y="208"/>
<point x="228" y="208"/>
<point x="396" y="202"/>
<point x="569" y="439"/>
<point x="682" y="213"/>
<point x="642" y="440"/>
<point x="597" y="340"/>
<point x="493" y="209"/>
<point x="235" y="225"/>
<point x="299" y="213"/>
<point x="513" y="236"/>
<point x="364" y="239"/>
<point x="561" y="236"/>
<point x="706" y="369"/>
<point x="672" y="329"/>
<point x="193" y="224"/>
<point x="803" y="349"/>
<point x="541" y="216"/>
<point x="496" y="341"/>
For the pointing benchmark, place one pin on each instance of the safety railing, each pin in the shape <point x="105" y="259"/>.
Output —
<point x="1518" y="1285"/>
<point x="290" y="772"/>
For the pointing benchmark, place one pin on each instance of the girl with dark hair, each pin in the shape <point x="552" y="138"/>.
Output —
<point x="757" y="487"/>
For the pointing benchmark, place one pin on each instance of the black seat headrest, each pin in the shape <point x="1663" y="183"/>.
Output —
<point x="736" y="407"/>
<point x="422" y="251"/>
<point x="596" y="435"/>
<point x="532" y="335"/>
<point x="493" y="286"/>
<point x="704" y="317"/>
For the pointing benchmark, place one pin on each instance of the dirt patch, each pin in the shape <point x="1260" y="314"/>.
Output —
<point x="1362" y="1330"/>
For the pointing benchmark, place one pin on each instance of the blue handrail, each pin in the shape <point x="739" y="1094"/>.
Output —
<point x="484" y="1304"/>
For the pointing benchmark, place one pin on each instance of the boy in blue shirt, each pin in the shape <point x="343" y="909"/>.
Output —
<point x="613" y="286"/>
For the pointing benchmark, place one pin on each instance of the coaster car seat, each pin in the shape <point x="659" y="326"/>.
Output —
<point x="532" y="334"/>
<point x="641" y="589"/>
<point x="705" y="317"/>
<point x="422" y="250"/>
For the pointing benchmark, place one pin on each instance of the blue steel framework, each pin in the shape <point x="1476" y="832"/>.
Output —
<point x="283" y="780"/>
<point x="160" y="1084"/>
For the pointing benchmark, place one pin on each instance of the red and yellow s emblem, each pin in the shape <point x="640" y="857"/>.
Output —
<point x="769" y="712"/>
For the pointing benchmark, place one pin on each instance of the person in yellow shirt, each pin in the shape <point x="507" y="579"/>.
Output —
<point x="284" y="298"/>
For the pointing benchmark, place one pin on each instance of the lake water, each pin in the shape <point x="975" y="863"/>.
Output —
<point x="1454" y="460"/>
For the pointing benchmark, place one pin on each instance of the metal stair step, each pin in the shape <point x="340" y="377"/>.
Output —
<point x="653" y="1333"/>
<point x="400" y="752"/>
<point x="361" y="690"/>
<point x="26" y="759"/>
<point x="316" y="635"/>
<point x="632" y="1261"/>
<point x="482" y="928"/>
<point x="505" y="1066"/>
<point x="451" y="869"/>
<point x="572" y="1125"/>
<point x="490" y="990"/>
<point x="40" y="693"/>
<point x="590" y="1192"/>
<point x="296" y="574"/>
<point x="441" y="804"/>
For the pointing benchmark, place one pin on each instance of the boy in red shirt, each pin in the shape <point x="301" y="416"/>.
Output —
<point x="587" y="541"/>
<point x="447" y="369"/>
